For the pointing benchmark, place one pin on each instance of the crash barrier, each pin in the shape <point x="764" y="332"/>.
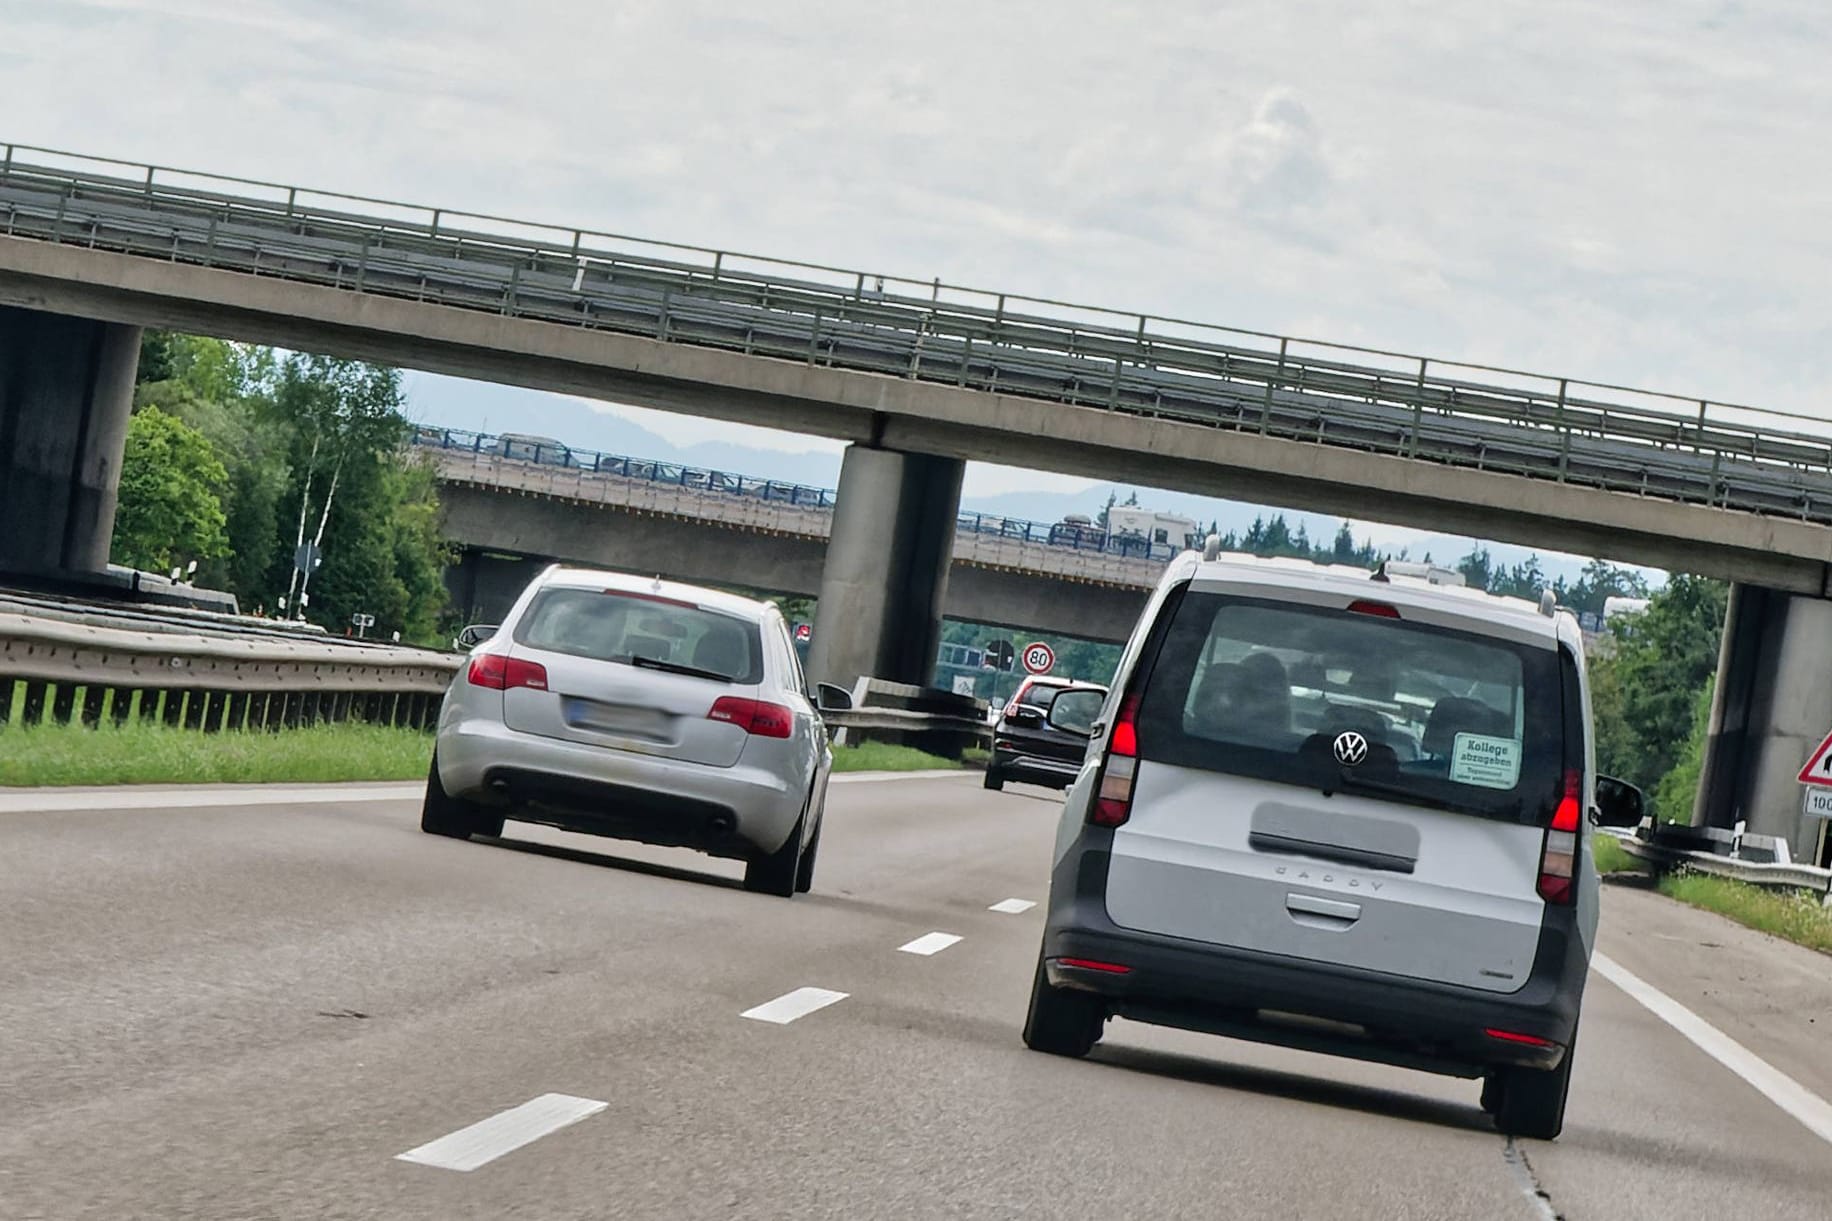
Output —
<point x="939" y="722"/>
<point x="1760" y="860"/>
<point x="55" y="671"/>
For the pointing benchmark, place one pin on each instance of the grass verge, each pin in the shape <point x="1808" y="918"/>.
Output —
<point x="1612" y="857"/>
<point x="885" y="757"/>
<point x="139" y="753"/>
<point x="1796" y="917"/>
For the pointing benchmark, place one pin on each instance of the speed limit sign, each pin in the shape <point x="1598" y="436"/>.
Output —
<point x="1039" y="658"/>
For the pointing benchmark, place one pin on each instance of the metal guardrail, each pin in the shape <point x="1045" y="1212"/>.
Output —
<point x="1563" y="430"/>
<point x="57" y="671"/>
<point x="1770" y="874"/>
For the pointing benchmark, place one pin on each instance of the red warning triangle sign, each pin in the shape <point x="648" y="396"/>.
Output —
<point x="1819" y="768"/>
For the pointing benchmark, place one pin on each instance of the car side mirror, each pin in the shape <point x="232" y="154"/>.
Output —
<point x="832" y="698"/>
<point x="474" y="635"/>
<point x="1619" y="803"/>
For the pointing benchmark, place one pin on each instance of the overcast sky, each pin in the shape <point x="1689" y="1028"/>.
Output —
<point x="1635" y="192"/>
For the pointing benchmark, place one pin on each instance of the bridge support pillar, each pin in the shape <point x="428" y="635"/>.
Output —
<point x="886" y="575"/>
<point x="1773" y="705"/>
<point x="66" y="390"/>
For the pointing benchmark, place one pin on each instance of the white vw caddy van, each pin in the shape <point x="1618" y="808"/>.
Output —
<point x="1342" y="813"/>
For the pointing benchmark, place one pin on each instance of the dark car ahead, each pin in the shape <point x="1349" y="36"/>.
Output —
<point x="1027" y="748"/>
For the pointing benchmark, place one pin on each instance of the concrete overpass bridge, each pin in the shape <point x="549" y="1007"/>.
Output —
<point x="919" y="376"/>
<point x="508" y="515"/>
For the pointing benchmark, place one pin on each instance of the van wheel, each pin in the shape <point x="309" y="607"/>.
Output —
<point x="994" y="781"/>
<point x="443" y="814"/>
<point x="1061" y="1022"/>
<point x="1532" y="1101"/>
<point x="775" y="874"/>
<point x="1491" y="1092"/>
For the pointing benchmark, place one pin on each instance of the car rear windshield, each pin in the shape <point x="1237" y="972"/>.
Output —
<point x="609" y="625"/>
<point x="1352" y="702"/>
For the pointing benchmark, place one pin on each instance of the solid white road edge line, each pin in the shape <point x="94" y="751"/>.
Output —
<point x="929" y="943"/>
<point x="1779" y="1088"/>
<point x="1011" y="907"/>
<point x="53" y="800"/>
<point x="791" y="1005"/>
<point x="488" y="1139"/>
<point x="33" y="801"/>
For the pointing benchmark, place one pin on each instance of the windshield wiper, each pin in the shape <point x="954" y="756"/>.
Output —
<point x="1410" y="793"/>
<point x="675" y="667"/>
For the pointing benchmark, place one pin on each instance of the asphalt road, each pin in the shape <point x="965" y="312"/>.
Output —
<point x="250" y="1010"/>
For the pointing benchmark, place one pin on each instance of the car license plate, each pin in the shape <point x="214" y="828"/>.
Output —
<point x="622" y="719"/>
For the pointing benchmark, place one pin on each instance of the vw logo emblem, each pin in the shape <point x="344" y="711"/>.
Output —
<point x="1351" y="749"/>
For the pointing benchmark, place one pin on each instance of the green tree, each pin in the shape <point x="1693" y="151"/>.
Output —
<point x="1343" y="551"/>
<point x="169" y="512"/>
<point x="1651" y="671"/>
<point x="1678" y="789"/>
<point x="1478" y="568"/>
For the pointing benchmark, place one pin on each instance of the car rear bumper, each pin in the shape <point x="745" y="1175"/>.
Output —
<point x="1308" y="1005"/>
<point x="726" y="811"/>
<point x="1034" y="769"/>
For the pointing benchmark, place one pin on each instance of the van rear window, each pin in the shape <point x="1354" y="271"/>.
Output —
<point x="1339" y="701"/>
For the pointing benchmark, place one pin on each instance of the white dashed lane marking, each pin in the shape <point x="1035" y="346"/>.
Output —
<point x="1012" y="907"/>
<point x="488" y="1139"/>
<point x="797" y="1004"/>
<point x="929" y="943"/>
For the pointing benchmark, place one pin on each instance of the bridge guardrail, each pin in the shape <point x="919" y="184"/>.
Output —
<point x="1677" y="448"/>
<point x="208" y="683"/>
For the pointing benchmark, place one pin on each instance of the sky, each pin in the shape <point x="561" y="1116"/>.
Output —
<point x="1624" y="193"/>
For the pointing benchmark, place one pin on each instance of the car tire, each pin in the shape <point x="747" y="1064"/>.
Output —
<point x="776" y="874"/>
<point x="804" y="868"/>
<point x="443" y="814"/>
<point x="1532" y="1100"/>
<point x="1491" y="1092"/>
<point x="1062" y="1022"/>
<point x="994" y="781"/>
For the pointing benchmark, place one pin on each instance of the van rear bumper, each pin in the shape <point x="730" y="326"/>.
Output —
<point x="1313" y="1006"/>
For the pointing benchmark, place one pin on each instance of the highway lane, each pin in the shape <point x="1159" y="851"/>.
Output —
<point x="250" y="1011"/>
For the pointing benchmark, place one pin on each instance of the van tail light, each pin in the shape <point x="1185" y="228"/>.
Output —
<point x="1379" y="610"/>
<point x="1558" y="861"/>
<point x="1113" y="801"/>
<point x="1515" y="1036"/>
<point x="757" y="717"/>
<point x="499" y="673"/>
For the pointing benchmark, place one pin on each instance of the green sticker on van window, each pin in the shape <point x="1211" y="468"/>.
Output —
<point x="1488" y="763"/>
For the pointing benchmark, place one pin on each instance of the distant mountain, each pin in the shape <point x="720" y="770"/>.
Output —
<point x="484" y="407"/>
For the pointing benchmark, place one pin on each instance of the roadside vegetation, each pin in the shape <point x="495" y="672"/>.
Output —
<point x="1612" y="857"/>
<point x="237" y="456"/>
<point x="1793" y="916"/>
<point x="885" y="757"/>
<point x="140" y="753"/>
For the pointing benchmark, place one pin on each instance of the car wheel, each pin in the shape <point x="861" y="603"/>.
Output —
<point x="776" y="874"/>
<point x="804" y="869"/>
<point x="1061" y="1022"/>
<point x="994" y="781"/>
<point x="443" y="814"/>
<point x="1532" y="1101"/>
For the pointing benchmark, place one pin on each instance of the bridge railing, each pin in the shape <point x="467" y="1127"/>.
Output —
<point x="1492" y="418"/>
<point x="564" y="463"/>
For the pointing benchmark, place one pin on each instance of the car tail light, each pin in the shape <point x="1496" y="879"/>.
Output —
<point x="1514" y="1036"/>
<point x="500" y="673"/>
<point x="1378" y="609"/>
<point x="1558" y="861"/>
<point x="1113" y="802"/>
<point x="758" y="717"/>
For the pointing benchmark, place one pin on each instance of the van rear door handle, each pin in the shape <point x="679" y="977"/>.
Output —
<point x="1329" y="909"/>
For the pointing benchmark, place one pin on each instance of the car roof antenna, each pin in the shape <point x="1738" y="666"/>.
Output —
<point x="1380" y="574"/>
